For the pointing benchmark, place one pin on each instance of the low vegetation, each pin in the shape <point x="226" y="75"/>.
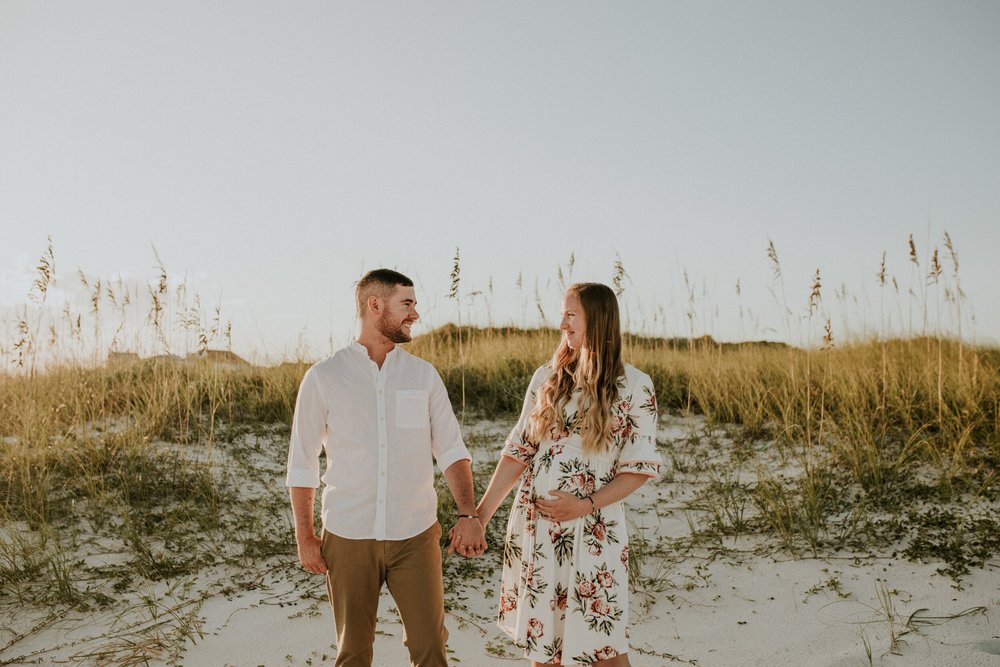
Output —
<point x="888" y="444"/>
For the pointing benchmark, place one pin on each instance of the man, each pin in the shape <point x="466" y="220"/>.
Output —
<point x="382" y="415"/>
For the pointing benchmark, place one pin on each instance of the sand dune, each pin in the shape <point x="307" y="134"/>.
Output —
<point x="728" y="601"/>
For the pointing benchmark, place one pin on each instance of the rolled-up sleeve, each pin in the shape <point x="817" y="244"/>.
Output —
<point x="446" y="436"/>
<point x="308" y="434"/>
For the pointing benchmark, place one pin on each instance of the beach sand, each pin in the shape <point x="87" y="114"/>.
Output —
<point x="737" y="608"/>
<point x="742" y="601"/>
<point x="758" y="612"/>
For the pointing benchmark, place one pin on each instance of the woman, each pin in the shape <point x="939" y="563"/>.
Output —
<point x="585" y="440"/>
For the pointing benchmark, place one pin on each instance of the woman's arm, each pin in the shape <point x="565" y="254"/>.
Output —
<point x="567" y="507"/>
<point x="507" y="472"/>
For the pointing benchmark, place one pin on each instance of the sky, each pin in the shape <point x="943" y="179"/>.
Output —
<point x="271" y="152"/>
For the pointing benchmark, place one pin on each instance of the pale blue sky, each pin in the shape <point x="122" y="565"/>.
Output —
<point x="272" y="151"/>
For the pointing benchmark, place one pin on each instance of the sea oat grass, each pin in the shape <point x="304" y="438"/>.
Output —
<point x="877" y="407"/>
<point x="35" y="568"/>
<point x="865" y="427"/>
<point x="156" y="399"/>
<point x="848" y="441"/>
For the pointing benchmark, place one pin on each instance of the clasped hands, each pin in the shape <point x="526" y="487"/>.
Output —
<point x="468" y="537"/>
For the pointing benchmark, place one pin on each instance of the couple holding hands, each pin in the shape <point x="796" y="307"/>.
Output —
<point x="585" y="440"/>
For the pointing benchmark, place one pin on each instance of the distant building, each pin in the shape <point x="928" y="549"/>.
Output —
<point x="218" y="358"/>
<point x="122" y="358"/>
<point x="167" y="359"/>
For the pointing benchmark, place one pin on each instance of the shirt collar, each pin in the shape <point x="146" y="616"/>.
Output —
<point x="363" y="351"/>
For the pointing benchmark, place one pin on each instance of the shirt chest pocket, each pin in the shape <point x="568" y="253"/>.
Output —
<point x="412" y="408"/>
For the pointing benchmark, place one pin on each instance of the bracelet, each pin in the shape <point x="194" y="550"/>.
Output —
<point x="468" y="516"/>
<point x="593" y="505"/>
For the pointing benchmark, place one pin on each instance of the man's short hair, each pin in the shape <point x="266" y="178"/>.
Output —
<point x="379" y="282"/>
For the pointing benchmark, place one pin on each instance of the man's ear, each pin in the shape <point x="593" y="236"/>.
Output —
<point x="374" y="305"/>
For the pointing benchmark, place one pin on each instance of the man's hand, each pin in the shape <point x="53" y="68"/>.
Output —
<point x="467" y="538"/>
<point x="309" y="546"/>
<point x="466" y="535"/>
<point x="310" y="554"/>
<point x="565" y="507"/>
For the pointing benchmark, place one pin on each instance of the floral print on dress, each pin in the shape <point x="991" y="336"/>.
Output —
<point x="596" y="598"/>
<point x="598" y="531"/>
<point x="564" y="588"/>
<point x="603" y="653"/>
<point x="522" y="449"/>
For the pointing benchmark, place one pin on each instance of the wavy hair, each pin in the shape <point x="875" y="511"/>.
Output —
<point x="594" y="369"/>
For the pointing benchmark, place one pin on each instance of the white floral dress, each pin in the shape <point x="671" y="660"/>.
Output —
<point x="564" y="591"/>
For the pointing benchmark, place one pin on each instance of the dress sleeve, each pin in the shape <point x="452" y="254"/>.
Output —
<point x="638" y="453"/>
<point x="519" y="445"/>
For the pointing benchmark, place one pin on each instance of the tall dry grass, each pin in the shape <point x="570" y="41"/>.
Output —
<point x="76" y="432"/>
<point x="882" y="411"/>
<point x="876" y="407"/>
<point x="115" y="445"/>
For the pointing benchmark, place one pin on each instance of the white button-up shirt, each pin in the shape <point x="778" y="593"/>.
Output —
<point x="380" y="429"/>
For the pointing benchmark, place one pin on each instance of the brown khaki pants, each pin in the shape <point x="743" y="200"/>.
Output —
<point x="356" y="570"/>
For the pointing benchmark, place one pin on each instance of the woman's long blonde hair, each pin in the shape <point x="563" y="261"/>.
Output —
<point x="594" y="369"/>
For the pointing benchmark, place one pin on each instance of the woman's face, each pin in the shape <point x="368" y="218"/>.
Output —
<point x="574" y="323"/>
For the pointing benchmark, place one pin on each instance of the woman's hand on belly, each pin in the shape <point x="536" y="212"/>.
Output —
<point x="565" y="507"/>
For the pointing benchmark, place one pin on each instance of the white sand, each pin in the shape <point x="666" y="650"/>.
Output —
<point x="759" y="612"/>
<point x="733" y="606"/>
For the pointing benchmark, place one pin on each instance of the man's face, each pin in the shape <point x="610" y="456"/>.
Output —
<point x="399" y="314"/>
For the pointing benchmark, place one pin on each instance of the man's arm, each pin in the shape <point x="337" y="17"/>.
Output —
<point x="304" y="447"/>
<point x="308" y="543"/>
<point x="467" y="536"/>
<point x="453" y="458"/>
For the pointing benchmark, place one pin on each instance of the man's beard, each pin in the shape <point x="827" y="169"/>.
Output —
<point x="393" y="332"/>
